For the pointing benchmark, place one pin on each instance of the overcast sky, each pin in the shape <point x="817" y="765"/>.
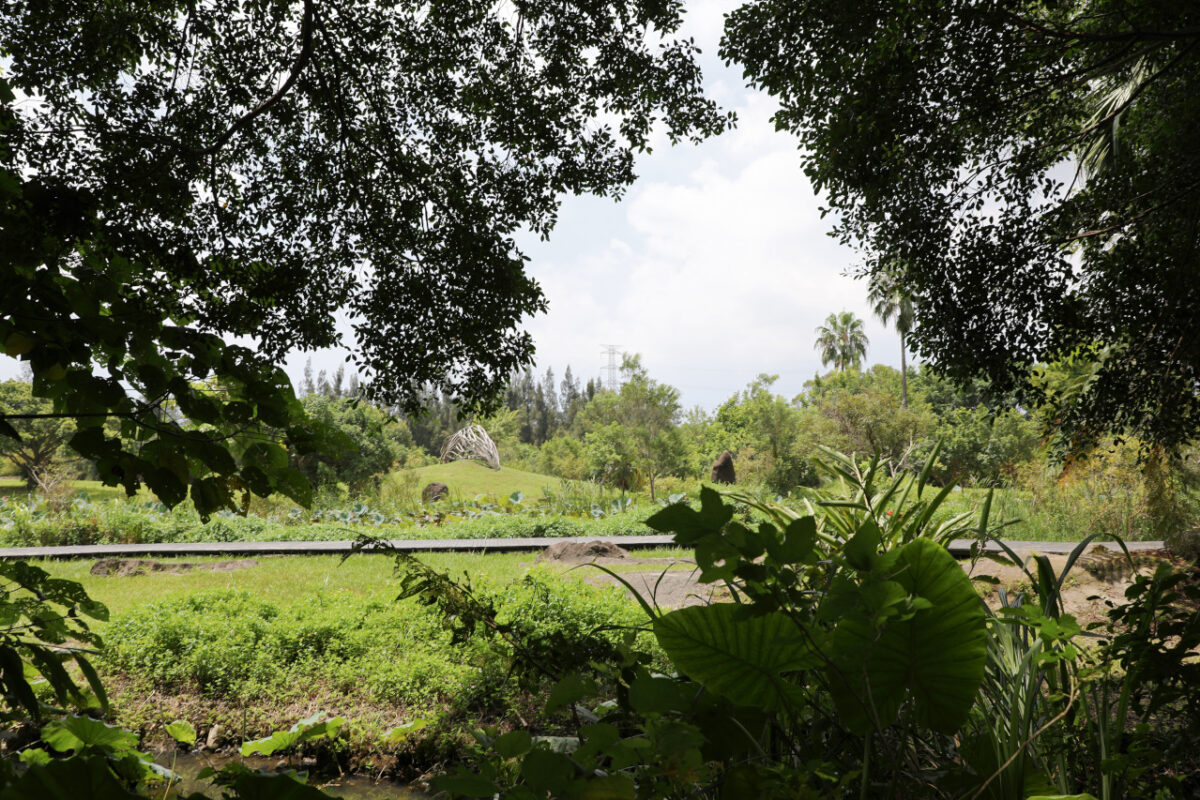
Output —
<point x="715" y="267"/>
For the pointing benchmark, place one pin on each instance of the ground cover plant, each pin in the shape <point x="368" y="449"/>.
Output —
<point x="253" y="649"/>
<point x="858" y="661"/>
<point x="225" y="657"/>
<point x="855" y="660"/>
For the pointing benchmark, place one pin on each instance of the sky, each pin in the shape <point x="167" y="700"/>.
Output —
<point x="716" y="265"/>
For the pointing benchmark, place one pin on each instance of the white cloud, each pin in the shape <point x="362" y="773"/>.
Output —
<point x="721" y="268"/>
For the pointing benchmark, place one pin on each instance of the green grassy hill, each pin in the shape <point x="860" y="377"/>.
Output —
<point x="469" y="478"/>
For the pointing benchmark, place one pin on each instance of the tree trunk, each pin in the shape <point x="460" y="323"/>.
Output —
<point x="903" y="373"/>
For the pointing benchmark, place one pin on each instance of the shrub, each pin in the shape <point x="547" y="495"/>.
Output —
<point x="228" y="643"/>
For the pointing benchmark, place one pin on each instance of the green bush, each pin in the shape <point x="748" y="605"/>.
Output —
<point x="26" y="524"/>
<point x="228" y="643"/>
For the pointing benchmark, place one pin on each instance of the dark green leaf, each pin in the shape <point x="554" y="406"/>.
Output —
<point x="742" y="659"/>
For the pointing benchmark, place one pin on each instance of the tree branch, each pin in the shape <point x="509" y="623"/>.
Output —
<point x="1126" y="223"/>
<point x="306" y="47"/>
<point x="1079" y="36"/>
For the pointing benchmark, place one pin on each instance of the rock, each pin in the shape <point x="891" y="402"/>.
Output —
<point x="582" y="551"/>
<point x="722" y="469"/>
<point x="434" y="491"/>
<point x="126" y="567"/>
<point x="213" y="741"/>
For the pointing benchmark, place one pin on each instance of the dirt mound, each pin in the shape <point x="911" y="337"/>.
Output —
<point x="125" y="567"/>
<point x="582" y="551"/>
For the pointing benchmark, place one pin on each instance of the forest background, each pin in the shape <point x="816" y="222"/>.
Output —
<point x="634" y="440"/>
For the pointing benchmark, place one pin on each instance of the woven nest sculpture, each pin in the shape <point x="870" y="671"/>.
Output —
<point x="471" y="443"/>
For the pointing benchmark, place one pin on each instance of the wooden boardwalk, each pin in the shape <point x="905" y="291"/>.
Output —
<point x="959" y="547"/>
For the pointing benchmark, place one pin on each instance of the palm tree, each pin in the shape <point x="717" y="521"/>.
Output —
<point x="842" y="342"/>
<point x="889" y="300"/>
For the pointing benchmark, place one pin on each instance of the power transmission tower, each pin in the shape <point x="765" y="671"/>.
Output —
<point x="610" y="350"/>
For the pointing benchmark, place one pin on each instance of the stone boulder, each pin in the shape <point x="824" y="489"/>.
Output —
<point x="722" y="469"/>
<point x="434" y="491"/>
<point x="582" y="551"/>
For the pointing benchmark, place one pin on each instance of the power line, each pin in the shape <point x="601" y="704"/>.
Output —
<point x="610" y="350"/>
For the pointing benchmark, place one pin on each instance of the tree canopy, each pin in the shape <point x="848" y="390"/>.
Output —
<point x="42" y="441"/>
<point x="1035" y="168"/>
<point x="177" y="174"/>
<point x="841" y="341"/>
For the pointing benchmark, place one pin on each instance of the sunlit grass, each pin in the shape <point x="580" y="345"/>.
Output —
<point x="467" y="479"/>
<point x="95" y="490"/>
<point x="282" y="580"/>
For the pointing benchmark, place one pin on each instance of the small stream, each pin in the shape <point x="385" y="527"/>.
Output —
<point x="357" y="787"/>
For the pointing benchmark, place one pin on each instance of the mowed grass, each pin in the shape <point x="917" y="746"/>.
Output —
<point x="290" y="580"/>
<point x="469" y="478"/>
<point x="95" y="490"/>
<point x="281" y="580"/>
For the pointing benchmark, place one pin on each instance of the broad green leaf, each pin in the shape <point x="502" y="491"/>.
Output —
<point x="293" y="484"/>
<point x="742" y="659"/>
<point x="651" y="694"/>
<point x="402" y="732"/>
<point x="566" y="691"/>
<point x="18" y="344"/>
<point x="266" y="455"/>
<point x="609" y="787"/>
<point x="547" y="771"/>
<point x="688" y="525"/>
<point x="68" y="779"/>
<point x="182" y="732"/>
<point x="863" y="548"/>
<point x="75" y="733"/>
<point x="35" y="755"/>
<point x="513" y="744"/>
<point x="798" y="540"/>
<point x="303" y="731"/>
<point x="936" y="657"/>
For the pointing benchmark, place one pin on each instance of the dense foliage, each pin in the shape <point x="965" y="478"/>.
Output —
<point x="40" y="445"/>
<point x="1029" y="168"/>
<point x="177" y="174"/>
<point x="582" y="445"/>
<point x="857" y="660"/>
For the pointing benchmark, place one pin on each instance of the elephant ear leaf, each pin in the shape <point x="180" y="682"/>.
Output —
<point x="742" y="659"/>
<point x="934" y="656"/>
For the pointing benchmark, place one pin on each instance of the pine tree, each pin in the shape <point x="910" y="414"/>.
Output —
<point x="571" y="400"/>
<point x="308" y="387"/>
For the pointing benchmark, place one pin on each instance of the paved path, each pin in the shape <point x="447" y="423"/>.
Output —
<point x="959" y="547"/>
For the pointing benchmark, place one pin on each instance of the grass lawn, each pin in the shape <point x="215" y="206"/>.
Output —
<point x="283" y="580"/>
<point x="469" y="478"/>
<point x="15" y="487"/>
<point x="291" y="580"/>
